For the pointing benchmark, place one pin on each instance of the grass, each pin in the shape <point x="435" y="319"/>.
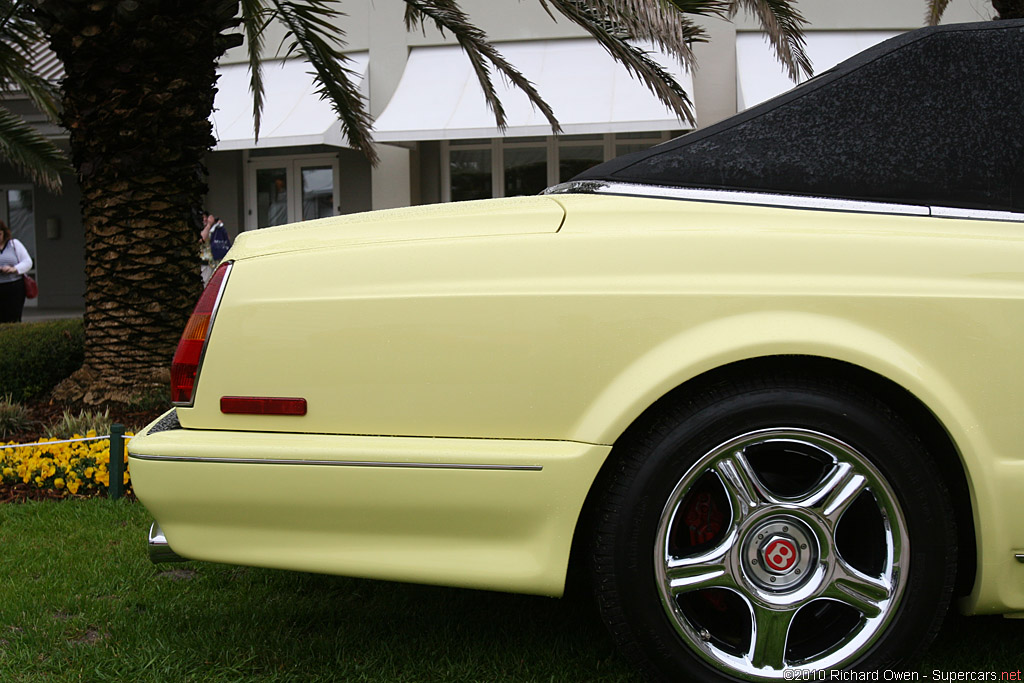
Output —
<point x="79" y="601"/>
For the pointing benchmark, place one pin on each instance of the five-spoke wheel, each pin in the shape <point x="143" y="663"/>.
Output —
<point x="739" y="598"/>
<point x="770" y="530"/>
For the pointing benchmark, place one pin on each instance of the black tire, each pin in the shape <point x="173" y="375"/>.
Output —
<point x="769" y="526"/>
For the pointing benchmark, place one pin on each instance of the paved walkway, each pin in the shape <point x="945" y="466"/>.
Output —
<point x="33" y="314"/>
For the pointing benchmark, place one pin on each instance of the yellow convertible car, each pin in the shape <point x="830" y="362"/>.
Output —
<point x="779" y="431"/>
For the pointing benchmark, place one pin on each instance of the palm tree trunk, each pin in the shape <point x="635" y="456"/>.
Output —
<point x="137" y="99"/>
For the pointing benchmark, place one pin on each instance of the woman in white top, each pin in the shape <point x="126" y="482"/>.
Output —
<point x="14" y="263"/>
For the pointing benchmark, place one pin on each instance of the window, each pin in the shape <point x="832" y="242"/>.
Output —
<point x="578" y="153"/>
<point x="526" y="169"/>
<point x="17" y="209"/>
<point x="470" y="172"/>
<point x="19" y="214"/>
<point x="285" y="189"/>
<point x="512" y="167"/>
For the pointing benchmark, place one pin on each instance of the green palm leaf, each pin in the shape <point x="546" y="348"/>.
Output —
<point x="36" y="156"/>
<point x="614" y="38"/>
<point x="446" y="15"/>
<point x="314" y="33"/>
<point x="313" y="29"/>
<point x="666" y="23"/>
<point x="255" y="17"/>
<point x="783" y="23"/>
<point x="934" y="10"/>
<point x="21" y="144"/>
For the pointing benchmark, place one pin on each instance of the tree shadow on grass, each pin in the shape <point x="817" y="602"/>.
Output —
<point x="275" y="625"/>
<point x="313" y="627"/>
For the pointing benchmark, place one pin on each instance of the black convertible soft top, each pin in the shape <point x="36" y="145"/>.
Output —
<point x="932" y="117"/>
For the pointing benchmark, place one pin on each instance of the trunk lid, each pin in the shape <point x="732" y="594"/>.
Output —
<point x="490" y="217"/>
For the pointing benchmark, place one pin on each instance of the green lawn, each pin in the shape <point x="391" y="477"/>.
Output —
<point x="79" y="601"/>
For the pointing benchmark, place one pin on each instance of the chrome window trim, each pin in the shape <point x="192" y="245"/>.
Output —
<point x="979" y="214"/>
<point x="777" y="200"/>
<point x="340" y="463"/>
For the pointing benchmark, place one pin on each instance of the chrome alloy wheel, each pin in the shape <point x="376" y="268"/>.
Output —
<point x="779" y="550"/>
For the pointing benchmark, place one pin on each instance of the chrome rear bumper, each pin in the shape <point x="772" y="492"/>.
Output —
<point x="159" y="549"/>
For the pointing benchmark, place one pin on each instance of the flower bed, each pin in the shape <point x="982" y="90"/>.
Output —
<point x="57" y="468"/>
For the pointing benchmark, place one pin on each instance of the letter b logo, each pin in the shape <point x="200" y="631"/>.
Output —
<point x="780" y="554"/>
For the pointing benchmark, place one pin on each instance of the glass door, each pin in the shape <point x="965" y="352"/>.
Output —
<point x="18" y="211"/>
<point x="318" y="191"/>
<point x="271" y="196"/>
<point x="290" y="189"/>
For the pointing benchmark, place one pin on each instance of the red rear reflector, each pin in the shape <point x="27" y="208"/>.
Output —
<point x="262" y="405"/>
<point x="189" y="354"/>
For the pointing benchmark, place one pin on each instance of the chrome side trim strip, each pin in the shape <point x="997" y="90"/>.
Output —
<point x="768" y="199"/>
<point x="776" y="200"/>
<point x="341" y="463"/>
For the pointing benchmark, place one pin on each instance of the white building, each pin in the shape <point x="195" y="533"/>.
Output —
<point x="437" y="141"/>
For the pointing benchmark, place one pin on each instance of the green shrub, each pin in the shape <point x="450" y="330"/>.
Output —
<point x="70" y="424"/>
<point x="34" y="357"/>
<point x="14" y="417"/>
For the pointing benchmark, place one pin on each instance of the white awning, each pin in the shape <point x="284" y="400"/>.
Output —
<point x="439" y="97"/>
<point x="293" y="113"/>
<point x="760" y="76"/>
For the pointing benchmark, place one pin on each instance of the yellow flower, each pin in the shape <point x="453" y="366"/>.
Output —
<point x="60" y="466"/>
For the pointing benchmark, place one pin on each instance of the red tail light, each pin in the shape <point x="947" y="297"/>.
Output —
<point x="189" y="355"/>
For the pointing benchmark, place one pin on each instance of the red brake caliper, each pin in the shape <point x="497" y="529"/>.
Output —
<point x="704" y="520"/>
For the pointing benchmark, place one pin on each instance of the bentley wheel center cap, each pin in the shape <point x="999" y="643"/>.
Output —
<point x="778" y="554"/>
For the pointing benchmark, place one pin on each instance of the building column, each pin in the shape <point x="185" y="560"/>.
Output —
<point x="390" y="179"/>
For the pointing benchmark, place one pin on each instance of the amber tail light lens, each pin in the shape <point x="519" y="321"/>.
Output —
<point x="189" y="356"/>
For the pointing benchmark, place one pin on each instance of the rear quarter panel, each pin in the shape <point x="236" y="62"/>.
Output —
<point x="570" y="335"/>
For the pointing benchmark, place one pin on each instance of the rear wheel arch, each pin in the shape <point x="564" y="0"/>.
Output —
<point x="828" y="372"/>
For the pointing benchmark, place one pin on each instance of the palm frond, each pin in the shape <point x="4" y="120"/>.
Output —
<point x="255" y="17"/>
<point x="614" y="38"/>
<point x="666" y="23"/>
<point x="934" y="10"/>
<point x="17" y="25"/>
<point x="447" y="15"/>
<point x="16" y="74"/>
<point x="20" y="40"/>
<point x="315" y="32"/>
<point x="784" y="25"/>
<point x="25" y="148"/>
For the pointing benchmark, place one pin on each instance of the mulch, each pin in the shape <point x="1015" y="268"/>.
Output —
<point x="45" y="412"/>
<point x="19" y="493"/>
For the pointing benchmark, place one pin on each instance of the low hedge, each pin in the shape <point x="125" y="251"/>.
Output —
<point x="34" y="357"/>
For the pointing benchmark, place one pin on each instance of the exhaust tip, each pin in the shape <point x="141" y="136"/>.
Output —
<point x="159" y="548"/>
